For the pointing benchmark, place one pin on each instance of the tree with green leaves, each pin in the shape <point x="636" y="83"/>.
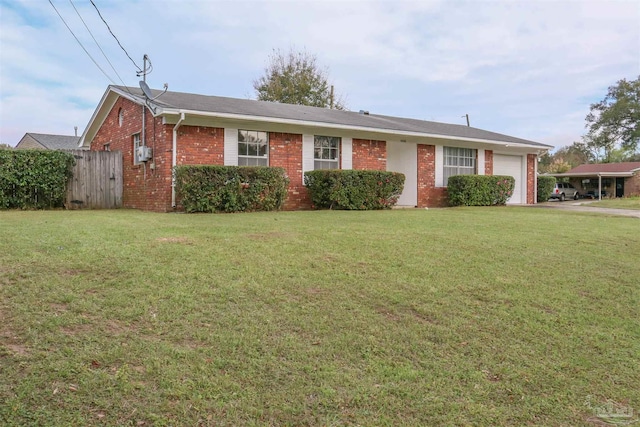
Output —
<point x="295" y="77"/>
<point x="615" y="121"/>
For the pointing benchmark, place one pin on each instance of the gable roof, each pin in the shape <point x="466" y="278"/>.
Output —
<point x="606" y="168"/>
<point x="55" y="142"/>
<point x="173" y="103"/>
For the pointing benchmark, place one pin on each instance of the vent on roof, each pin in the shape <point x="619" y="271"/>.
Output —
<point x="366" y="113"/>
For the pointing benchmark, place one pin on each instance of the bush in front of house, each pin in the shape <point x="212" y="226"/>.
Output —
<point x="480" y="190"/>
<point x="354" y="189"/>
<point x="546" y="184"/>
<point x="34" y="179"/>
<point x="231" y="188"/>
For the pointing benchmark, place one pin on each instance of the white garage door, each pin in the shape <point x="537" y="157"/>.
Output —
<point x="510" y="166"/>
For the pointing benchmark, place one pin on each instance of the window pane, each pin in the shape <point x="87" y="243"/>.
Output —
<point x="262" y="149"/>
<point x="262" y="162"/>
<point x="242" y="149"/>
<point x="242" y="135"/>
<point x="242" y="161"/>
<point x="252" y="149"/>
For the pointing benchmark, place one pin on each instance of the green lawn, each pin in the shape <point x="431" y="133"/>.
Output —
<point x="619" y="203"/>
<point x="469" y="316"/>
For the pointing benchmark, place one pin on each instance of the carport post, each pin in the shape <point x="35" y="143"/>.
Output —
<point x="599" y="187"/>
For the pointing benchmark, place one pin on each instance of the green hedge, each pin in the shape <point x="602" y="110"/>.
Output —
<point x="480" y="190"/>
<point x="354" y="189"/>
<point x="34" y="179"/>
<point x="231" y="188"/>
<point x="546" y="184"/>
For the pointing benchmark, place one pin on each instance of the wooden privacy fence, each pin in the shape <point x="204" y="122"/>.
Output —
<point x="97" y="180"/>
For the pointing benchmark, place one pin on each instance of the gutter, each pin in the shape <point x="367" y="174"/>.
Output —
<point x="174" y="158"/>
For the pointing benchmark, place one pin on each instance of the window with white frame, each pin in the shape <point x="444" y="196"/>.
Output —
<point x="458" y="161"/>
<point x="253" y="148"/>
<point x="136" y="145"/>
<point x="326" y="152"/>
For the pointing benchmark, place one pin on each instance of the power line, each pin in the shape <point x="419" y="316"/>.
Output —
<point x="97" y="44"/>
<point x="114" y="36"/>
<point x="81" y="45"/>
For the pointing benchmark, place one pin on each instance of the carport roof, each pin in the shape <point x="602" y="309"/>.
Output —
<point x="602" y="169"/>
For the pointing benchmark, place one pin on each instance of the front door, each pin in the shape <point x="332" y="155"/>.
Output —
<point x="403" y="157"/>
<point x="619" y="187"/>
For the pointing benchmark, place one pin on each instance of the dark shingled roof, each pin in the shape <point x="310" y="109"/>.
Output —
<point x="56" y="142"/>
<point x="606" y="167"/>
<point x="275" y="110"/>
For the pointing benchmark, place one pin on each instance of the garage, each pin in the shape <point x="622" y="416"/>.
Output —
<point x="510" y="166"/>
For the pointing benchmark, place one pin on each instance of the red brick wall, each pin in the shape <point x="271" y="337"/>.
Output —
<point x="428" y="194"/>
<point x="369" y="154"/>
<point x="531" y="178"/>
<point x="199" y="145"/>
<point x="143" y="188"/>
<point x="285" y="151"/>
<point x="488" y="162"/>
<point x="632" y="185"/>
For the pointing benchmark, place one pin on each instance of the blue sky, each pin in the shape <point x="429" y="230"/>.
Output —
<point x="525" y="68"/>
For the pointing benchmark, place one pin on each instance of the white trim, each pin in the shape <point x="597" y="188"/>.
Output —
<point x="439" y="166"/>
<point x="230" y="147"/>
<point x="307" y="154"/>
<point x="308" y="123"/>
<point x="347" y="153"/>
<point x="480" y="162"/>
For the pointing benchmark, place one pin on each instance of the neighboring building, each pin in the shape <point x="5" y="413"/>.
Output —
<point x="190" y="129"/>
<point x="42" y="141"/>
<point x="608" y="179"/>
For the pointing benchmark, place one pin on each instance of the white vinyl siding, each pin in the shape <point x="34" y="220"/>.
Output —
<point x="438" y="167"/>
<point x="307" y="154"/>
<point x="480" y="165"/>
<point x="230" y="147"/>
<point x="458" y="161"/>
<point x="347" y="153"/>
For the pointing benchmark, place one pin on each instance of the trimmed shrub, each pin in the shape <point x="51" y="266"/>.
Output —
<point x="354" y="189"/>
<point x="34" y="179"/>
<point x="480" y="190"/>
<point x="546" y="184"/>
<point x="231" y="188"/>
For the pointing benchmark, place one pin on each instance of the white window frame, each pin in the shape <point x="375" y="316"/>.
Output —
<point x="458" y="161"/>
<point x="246" y="159"/>
<point x="320" y="158"/>
<point x="137" y="140"/>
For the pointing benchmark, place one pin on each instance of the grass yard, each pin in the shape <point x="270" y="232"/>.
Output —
<point x="469" y="316"/>
<point x="619" y="203"/>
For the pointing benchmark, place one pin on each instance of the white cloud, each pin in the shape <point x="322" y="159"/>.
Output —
<point x="529" y="69"/>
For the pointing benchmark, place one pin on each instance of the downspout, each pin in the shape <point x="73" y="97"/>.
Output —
<point x="174" y="158"/>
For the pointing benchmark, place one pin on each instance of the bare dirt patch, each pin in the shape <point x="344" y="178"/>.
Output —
<point x="181" y="240"/>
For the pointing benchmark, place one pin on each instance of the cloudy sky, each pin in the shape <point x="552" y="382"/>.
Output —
<point x="525" y="68"/>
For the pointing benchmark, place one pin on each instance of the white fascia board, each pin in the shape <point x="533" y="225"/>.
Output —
<point x="592" y="174"/>
<point x="341" y="127"/>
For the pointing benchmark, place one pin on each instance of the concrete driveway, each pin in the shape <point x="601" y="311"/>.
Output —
<point x="583" y="206"/>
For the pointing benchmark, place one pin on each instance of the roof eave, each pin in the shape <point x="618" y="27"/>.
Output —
<point x="178" y="111"/>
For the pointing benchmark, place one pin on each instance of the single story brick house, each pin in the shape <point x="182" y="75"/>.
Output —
<point x="607" y="179"/>
<point x="190" y="129"/>
<point x="45" y="141"/>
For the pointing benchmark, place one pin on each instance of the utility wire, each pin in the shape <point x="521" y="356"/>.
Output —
<point x="114" y="36"/>
<point x="97" y="44"/>
<point x="81" y="45"/>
